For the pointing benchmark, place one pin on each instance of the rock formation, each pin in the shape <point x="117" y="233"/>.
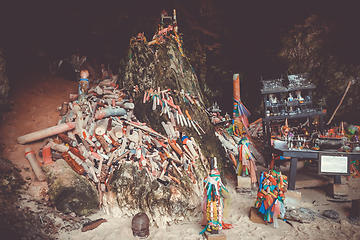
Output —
<point x="69" y="191"/>
<point x="163" y="66"/>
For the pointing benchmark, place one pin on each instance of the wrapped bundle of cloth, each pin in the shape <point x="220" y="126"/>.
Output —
<point x="232" y="133"/>
<point x="216" y="199"/>
<point x="237" y="148"/>
<point x="246" y="165"/>
<point x="271" y="196"/>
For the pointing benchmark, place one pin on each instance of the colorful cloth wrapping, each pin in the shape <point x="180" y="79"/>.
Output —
<point x="242" y="112"/>
<point x="245" y="154"/>
<point x="270" y="197"/>
<point x="246" y="159"/>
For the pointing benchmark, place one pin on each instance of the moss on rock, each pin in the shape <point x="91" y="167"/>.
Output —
<point x="69" y="191"/>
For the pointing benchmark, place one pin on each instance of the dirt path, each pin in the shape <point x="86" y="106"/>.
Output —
<point x="37" y="97"/>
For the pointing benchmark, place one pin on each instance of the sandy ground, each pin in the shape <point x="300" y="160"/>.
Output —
<point x="37" y="97"/>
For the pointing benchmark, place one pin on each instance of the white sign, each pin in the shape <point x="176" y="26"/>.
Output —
<point x="334" y="164"/>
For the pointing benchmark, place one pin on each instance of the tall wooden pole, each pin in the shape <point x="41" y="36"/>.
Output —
<point x="236" y="95"/>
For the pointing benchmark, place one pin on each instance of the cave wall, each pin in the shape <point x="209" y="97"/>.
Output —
<point x="310" y="47"/>
<point x="4" y="85"/>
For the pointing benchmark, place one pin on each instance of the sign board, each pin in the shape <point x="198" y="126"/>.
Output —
<point x="333" y="164"/>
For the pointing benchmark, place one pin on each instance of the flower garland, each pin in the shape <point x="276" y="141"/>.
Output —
<point x="213" y="204"/>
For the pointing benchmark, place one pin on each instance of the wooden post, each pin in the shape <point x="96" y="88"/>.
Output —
<point x="236" y="95"/>
<point x="63" y="127"/>
<point x="31" y="157"/>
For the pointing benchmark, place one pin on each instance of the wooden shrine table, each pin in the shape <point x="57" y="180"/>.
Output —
<point x="306" y="154"/>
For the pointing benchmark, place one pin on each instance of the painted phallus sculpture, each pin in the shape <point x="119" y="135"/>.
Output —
<point x="298" y="96"/>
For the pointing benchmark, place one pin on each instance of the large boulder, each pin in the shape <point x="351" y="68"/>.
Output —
<point x="133" y="190"/>
<point x="69" y="191"/>
<point x="136" y="192"/>
<point x="164" y="66"/>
